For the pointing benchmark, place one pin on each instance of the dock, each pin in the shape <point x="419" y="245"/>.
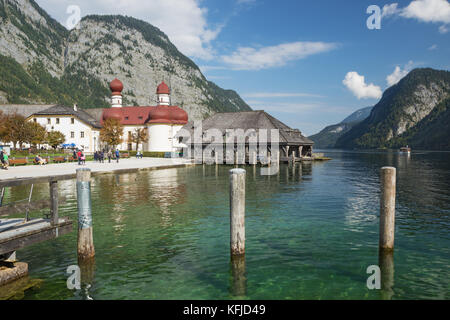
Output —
<point x="16" y="234"/>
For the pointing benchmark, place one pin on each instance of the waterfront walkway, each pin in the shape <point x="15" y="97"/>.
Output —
<point x="61" y="169"/>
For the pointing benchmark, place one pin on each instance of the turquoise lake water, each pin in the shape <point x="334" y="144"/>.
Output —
<point x="311" y="230"/>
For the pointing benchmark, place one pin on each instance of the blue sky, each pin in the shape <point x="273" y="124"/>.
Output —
<point x="302" y="61"/>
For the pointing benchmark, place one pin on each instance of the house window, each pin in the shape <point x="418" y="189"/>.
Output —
<point x="82" y="134"/>
<point x="49" y="121"/>
<point x="72" y="121"/>
<point x="72" y="134"/>
<point x="126" y="118"/>
<point x="57" y="120"/>
<point x="140" y="118"/>
<point x="35" y="120"/>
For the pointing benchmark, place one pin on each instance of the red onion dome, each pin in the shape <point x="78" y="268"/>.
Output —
<point x="160" y="114"/>
<point x="163" y="89"/>
<point x="116" y="87"/>
<point x="112" y="113"/>
<point x="179" y="115"/>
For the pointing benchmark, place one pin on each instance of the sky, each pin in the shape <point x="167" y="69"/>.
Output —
<point x="308" y="63"/>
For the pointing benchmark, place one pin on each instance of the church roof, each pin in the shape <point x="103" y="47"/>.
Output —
<point x="147" y="114"/>
<point x="163" y="89"/>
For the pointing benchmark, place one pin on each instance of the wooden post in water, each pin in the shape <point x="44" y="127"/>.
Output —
<point x="54" y="215"/>
<point x="238" y="277"/>
<point x="387" y="208"/>
<point x="386" y="264"/>
<point x="85" y="239"/>
<point x="237" y="211"/>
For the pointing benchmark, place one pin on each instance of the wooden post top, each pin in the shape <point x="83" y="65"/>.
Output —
<point x="237" y="171"/>
<point x="388" y="169"/>
<point x="84" y="174"/>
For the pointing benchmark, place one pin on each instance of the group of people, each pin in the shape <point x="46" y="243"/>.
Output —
<point x="80" y="156"/>
<point x="4" y="159"/>
<point x="99" y="156"/>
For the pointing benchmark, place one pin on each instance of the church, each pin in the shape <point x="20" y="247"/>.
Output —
<point x="162" y="121"/>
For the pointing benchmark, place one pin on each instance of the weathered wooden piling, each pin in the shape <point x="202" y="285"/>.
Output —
<point x="387" y="208"/>
<point x="54" y="214"/>
<point x="237" y="211"/>
<point x="85" y="239"/>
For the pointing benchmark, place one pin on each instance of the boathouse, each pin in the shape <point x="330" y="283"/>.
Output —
<point x="292" y="144"/>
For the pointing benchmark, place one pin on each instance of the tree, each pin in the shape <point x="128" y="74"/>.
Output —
<point x="139" y="135"/>
<point x="16" y="130"/>
<point x="111" y="133"/>
<point x="55" y="138"/>
<point x="37" y="134"/>
<point x="3" y="126"/>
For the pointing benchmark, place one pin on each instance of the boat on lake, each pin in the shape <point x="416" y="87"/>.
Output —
<point x="405" y="150"/>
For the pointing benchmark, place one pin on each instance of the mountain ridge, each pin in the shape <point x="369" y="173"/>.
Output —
<point x="406" y="113"/>
<point x="328" y="136"/>
<point x="42" y="62"/>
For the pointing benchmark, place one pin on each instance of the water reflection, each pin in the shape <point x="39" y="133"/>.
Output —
<point x="386" y="263"/>
<point x="238" y="277"/>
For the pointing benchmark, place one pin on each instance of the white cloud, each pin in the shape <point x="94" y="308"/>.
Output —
<point x="389" y="10"/>
<point x="396" y="76"/>
<point x="246" y="58"/>
<point x="184" y="21"/>
<point x="444" y="29"/>
<point x="357" y="85"/>
<point x="428" y="10"/>
<point x="433" y="47"/>
<point x="279" y="95"/>
<point x="434" y="11"/>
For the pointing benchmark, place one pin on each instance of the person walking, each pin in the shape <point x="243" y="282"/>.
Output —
<point x="109" y="156"/>
<point x="5" y="161"/>
<point x="2" y="159"/>
<point x="79" y="157"/>
<point x="117" y="155"/>
<point x="102" y="156"/>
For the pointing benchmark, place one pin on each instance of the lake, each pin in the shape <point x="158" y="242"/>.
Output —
<point x="311" y="232"/>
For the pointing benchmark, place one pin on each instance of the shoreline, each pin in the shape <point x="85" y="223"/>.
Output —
<point x="65" y="171"/>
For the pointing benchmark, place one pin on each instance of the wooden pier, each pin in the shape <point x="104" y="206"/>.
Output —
<point x="18" y="233"/>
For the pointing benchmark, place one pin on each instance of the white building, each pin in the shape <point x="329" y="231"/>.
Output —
<point x="81" y="127"/>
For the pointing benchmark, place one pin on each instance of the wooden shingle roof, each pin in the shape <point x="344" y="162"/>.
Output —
<point x="64" y="110"/>
<point x="247" y="120"/>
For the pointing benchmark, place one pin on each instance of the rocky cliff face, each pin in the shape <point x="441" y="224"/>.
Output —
<point x="28" y="34"/>
<point x="402" y="111"/>
<point x="75" y="67"/>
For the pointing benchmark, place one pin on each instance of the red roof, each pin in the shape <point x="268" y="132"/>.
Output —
<point x="163" y="89"/>
<point x="116" y="87"/>
<point x="145" y="115"/>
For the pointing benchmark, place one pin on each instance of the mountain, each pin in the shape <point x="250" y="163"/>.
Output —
<point x="358" y="115"/>
<point x="327" y="137"/>
<point x="42" y="62"/>
<point x="415" y="112"/>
